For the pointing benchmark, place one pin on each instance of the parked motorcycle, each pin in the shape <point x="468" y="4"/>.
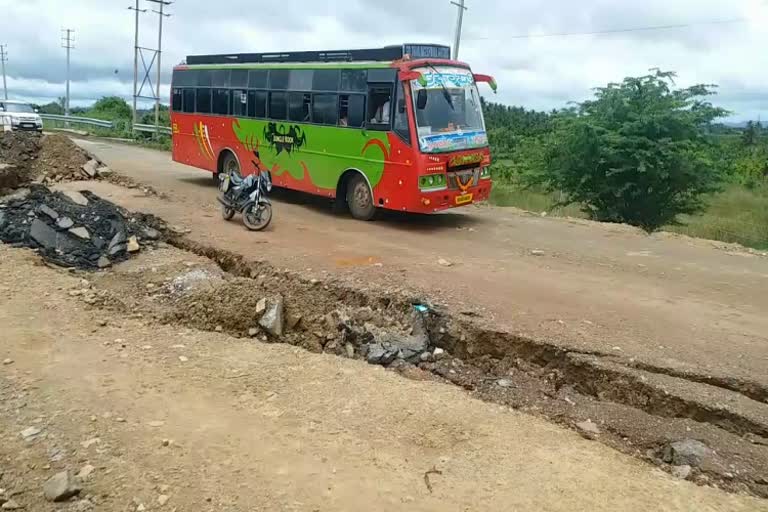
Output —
<point x="247" y="196"/>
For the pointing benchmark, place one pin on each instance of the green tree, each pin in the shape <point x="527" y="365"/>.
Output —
<point x="637" y="153"/>
<point x="149" y="116"/>
<point x="52" y="108"/>
<point x="751" y="133"/>
<point x="111" y="108"/>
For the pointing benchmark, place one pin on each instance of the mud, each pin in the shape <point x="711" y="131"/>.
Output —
<point x="637" y="411"/>
<point x="60" y="159"/>
<point x="18" y="155"/>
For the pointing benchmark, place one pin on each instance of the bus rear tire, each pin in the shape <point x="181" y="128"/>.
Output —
<point x="360" y="198"/>
<point x="229" y="164"/>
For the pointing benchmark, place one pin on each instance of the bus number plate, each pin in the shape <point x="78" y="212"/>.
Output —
<point x="464" y="199"/>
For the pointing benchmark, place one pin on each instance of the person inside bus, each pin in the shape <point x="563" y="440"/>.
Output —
<point x="381" y="107"/>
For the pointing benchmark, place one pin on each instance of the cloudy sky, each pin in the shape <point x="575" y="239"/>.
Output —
<point x="501" y="37"/>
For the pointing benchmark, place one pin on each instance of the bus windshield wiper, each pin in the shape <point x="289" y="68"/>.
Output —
<point x="446" y="94"/>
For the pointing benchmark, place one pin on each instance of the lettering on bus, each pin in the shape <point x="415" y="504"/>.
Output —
<point x="283" y="138"/>
<point x="472" y="158"/>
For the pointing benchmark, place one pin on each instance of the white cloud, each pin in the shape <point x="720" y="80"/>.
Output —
<point x="540" y="73"/>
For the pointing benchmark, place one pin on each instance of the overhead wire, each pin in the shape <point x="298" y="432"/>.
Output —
<point x="614" y="31"/>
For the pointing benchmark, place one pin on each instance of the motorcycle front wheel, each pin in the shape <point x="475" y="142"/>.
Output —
<point x="257" y="217"/>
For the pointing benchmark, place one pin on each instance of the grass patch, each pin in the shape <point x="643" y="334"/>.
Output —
<point x="738" y="214"/>
<point x="532" y="201"/>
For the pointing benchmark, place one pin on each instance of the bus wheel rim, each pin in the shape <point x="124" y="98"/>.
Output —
<point x="361" y="196"/>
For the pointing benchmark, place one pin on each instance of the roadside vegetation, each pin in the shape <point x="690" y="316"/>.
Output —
<point x="642" y="152"/>
<point x="116" y="110"/>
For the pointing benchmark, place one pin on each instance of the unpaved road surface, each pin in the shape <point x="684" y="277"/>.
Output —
<point x="663" y="300"/>
<point x="164" y="417"/>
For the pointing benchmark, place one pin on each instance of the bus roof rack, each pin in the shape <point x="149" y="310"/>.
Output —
<point x="388" y="53"/>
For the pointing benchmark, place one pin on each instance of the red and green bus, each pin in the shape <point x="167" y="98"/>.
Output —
<point x="399" y="127"/>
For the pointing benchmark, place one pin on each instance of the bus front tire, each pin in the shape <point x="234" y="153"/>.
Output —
<point x="360" y="198"/>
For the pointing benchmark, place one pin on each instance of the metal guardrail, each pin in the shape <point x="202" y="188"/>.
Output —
<point x="79" y="120"/>
<point x="150" y="128"/>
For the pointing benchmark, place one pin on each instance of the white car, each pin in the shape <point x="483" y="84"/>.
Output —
<point x="18" y="115"/>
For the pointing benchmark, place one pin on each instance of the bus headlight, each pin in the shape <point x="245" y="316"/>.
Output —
<point x="432" y="181"/>
<point x="485" y="173"/>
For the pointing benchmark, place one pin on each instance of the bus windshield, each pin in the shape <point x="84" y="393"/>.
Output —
<point x="451" y="118"/>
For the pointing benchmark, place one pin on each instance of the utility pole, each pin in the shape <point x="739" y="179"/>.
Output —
<point x="68" y="43"/>
<point x="459" y="20"/>
<point x="3" y="59"/>
<point x="162" y="15"/>
<point x="142" y="54"/>
<point x="136" y="60"/>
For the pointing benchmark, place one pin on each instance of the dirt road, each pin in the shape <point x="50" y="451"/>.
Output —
<point x="663" y="300"/>
<point x="164" y="417"/>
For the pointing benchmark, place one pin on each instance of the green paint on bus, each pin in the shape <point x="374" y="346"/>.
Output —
<point x="324" y="152"/>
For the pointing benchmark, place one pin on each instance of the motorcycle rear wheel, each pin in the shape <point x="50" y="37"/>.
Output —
<point x="257" y="217"/>
<point x="227" y="213"/>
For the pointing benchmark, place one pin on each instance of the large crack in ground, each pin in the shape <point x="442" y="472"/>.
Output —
<point x="639" y="409"/>
<point x="638" y="412"/>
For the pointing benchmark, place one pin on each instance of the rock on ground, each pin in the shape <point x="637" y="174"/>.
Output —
<point x="588" y="427"/>
<point x="11" y="505"/>
<point x="681" y="472"/>
<point x="76" y="197"/>
<point x="272" y="321"/>
<point x="688" y="452"/>
<point x="61" y="487"/>
<point x="30" y="432"/>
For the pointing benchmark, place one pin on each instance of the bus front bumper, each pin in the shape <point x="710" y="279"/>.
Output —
<point x="435" y="201"/>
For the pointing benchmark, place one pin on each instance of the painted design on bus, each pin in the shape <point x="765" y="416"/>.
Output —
<point x="204" y="140"/>
<point x="319" y="154"/>
<point x="282" y="139"/>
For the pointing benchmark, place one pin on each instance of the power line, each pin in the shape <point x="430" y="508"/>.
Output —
<point x="616" y="31"/>
<point x="3" y="60"/>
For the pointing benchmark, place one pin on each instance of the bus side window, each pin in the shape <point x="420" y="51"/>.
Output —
<point x="298" y="106"/>
<point x="278" y="105"/>
<point x="352" y="110"/>
<point x="400" y="125"/>
<point x="177" y="100"/>
<point x="324" y="109"/>
<point x="379" y="107"/>
<point x="257" y="104"/>
<point x="189" y="101"/>
<point x="203" y="101"/>
<point x="221" y="102"/>
<point x="239" y="103"/>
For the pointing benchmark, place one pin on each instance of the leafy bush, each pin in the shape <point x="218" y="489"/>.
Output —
<point x="637" y="153"/>
<point x="110" y="108"/>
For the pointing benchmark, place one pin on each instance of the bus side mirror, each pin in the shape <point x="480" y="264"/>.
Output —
<point x="401" y="106"/>
<point x="421" y="99"/>
<point x="37" y="111"/>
